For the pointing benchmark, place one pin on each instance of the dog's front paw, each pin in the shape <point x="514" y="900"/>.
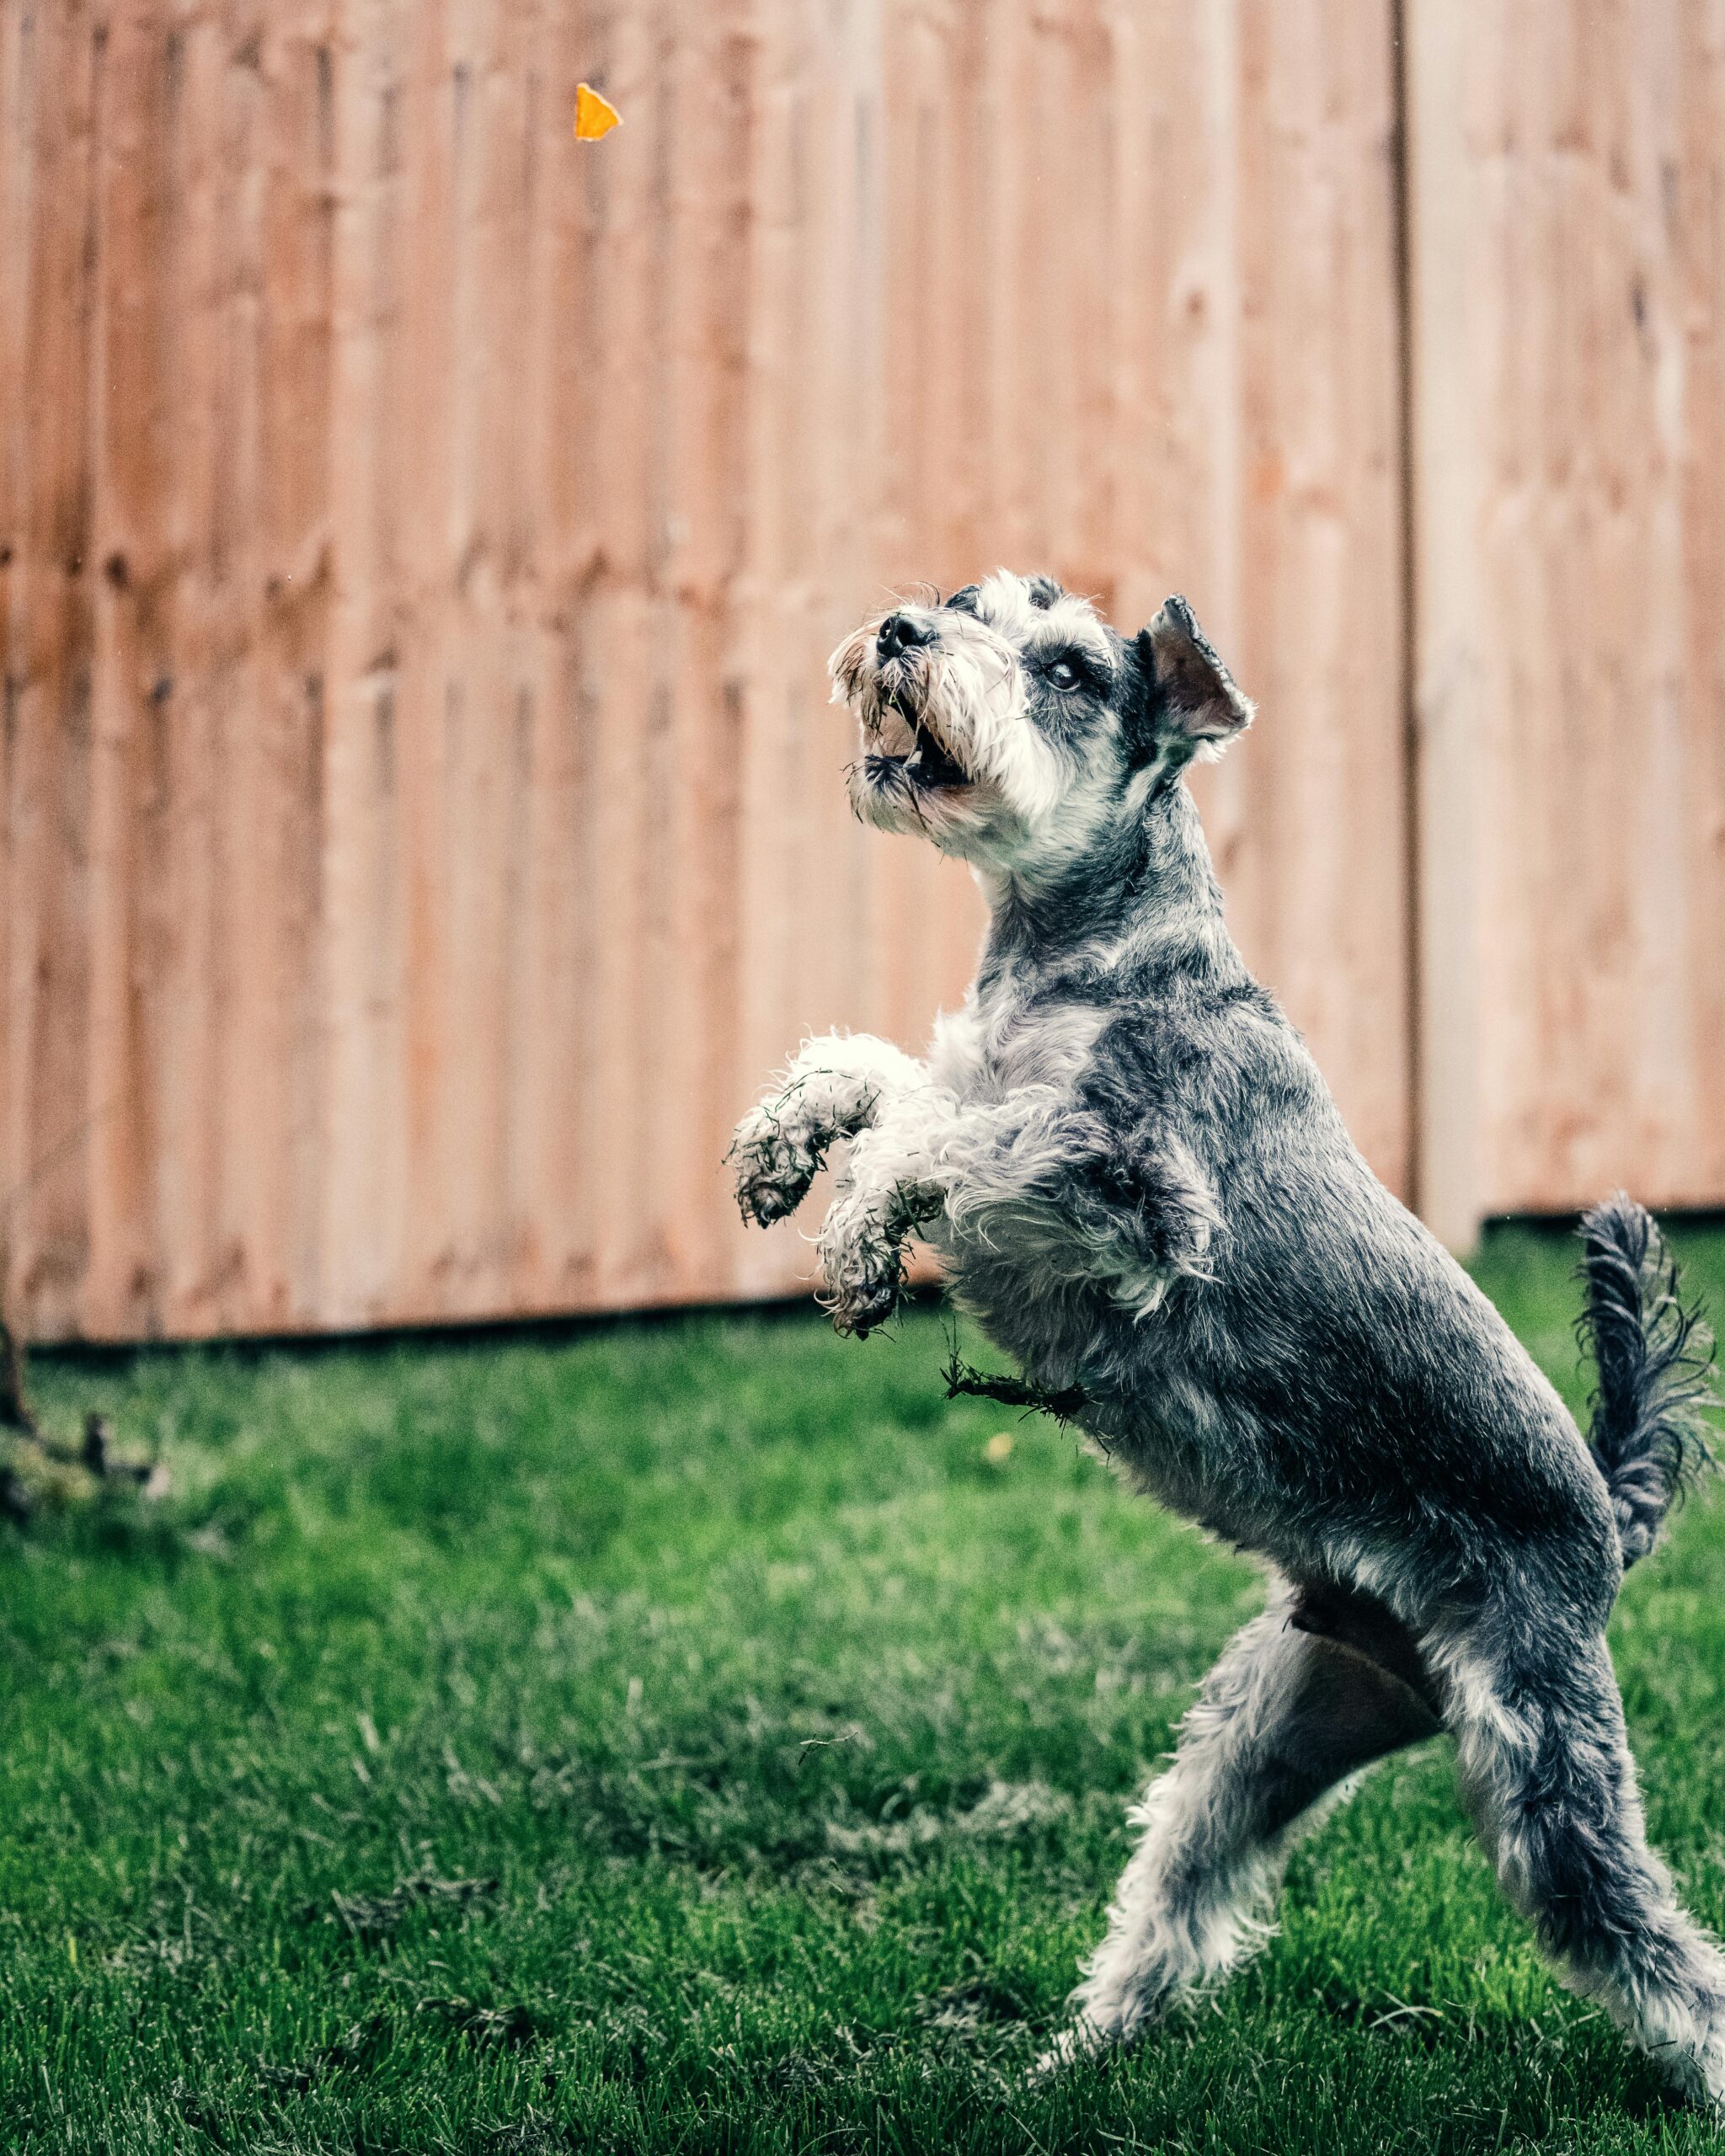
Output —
<point x="863" y="1260"/>
<point x="774" y="1158"/>
<point x="860" y="1303"/>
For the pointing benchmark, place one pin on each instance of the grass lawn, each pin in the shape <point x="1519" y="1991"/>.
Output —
<point x="698" y="1736"/>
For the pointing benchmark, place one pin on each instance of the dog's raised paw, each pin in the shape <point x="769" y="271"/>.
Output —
<point x="773" y="1167"/>
<point x="765" y="1198"/>
<point x="863" y="1293"/>
<point x="859" y="1306"/>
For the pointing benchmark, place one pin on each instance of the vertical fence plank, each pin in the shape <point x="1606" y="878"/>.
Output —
<point x="20" y="157"/>
<point x="1694" y="1169"/>
<point x="624" y="938"/>
<point x="290" y="318"/>
<point x="51" y="61"/>
<point x="559" y="1021"/>
<point x="188" y="996"/>
<point x="432" y="805"/>
<point x="381" y="435"/>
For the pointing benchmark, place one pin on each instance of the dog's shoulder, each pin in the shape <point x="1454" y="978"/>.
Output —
<point x="1204" y="1048"/>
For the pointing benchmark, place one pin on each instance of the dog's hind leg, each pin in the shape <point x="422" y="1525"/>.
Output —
<point x="1286" y="1715"/>
<point x="1546" y="1774"/>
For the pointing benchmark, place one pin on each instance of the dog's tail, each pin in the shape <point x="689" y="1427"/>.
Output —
<point x="1654" y="1357"/>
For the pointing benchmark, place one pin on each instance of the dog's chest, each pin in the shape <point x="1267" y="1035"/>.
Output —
<point x="1001" y="1043"/>
<point x="1017" y="1065"/>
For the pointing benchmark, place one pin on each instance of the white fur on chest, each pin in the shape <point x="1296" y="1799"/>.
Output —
<point x="994" y="1048"/>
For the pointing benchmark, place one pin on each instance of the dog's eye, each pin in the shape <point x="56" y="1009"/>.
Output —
<point x="1063" y="674"/>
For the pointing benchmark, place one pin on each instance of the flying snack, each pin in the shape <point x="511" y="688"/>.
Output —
<point x="595" y="115"/>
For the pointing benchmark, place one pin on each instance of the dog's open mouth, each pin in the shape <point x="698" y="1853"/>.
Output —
<point x="930" y="763"/>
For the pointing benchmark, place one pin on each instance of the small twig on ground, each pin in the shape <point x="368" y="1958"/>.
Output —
<point x="94" y="1453"/>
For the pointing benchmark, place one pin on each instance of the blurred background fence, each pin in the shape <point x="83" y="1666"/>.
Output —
<point x="421" y="535"/>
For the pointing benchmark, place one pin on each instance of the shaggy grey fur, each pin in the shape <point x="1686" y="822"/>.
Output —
<point x="1139" y="1184"/>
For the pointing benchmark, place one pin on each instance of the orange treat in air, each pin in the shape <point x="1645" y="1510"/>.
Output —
<point x="594" y="114"/>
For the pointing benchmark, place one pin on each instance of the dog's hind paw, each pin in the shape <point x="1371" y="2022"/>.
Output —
<point x="1697" y="2068"/>
<point x="1081" y="2044"/>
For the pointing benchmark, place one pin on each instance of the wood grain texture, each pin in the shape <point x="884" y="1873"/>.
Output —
<point x="423" y="827"/>
<point x="1568" y="276"/>
<point x="51" y="80"/>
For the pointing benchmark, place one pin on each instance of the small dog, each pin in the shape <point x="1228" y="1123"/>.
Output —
<point x="1139" y="1184"/>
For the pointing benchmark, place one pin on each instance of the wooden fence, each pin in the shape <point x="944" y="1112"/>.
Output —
<point x="1567" y="187"/>
<point x="421" y="535"/>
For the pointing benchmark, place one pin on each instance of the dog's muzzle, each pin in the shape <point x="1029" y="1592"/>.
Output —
<point x="899" y="648"/>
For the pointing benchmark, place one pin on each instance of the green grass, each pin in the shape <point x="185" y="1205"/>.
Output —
<point x="781" y="1737"/>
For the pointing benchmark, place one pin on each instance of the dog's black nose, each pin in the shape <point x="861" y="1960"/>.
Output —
<point x="898" y="632"/>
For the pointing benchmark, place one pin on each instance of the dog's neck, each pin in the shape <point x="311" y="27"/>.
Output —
<point x="1142" y="894"/>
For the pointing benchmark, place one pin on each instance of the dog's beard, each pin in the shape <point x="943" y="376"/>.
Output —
<point x="947" y="749"/>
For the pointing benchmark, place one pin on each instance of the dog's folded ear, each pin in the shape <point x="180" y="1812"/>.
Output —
<point x="1194" y="703"/>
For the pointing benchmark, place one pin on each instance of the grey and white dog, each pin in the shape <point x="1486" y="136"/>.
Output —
<point x="1139" y="1184"/>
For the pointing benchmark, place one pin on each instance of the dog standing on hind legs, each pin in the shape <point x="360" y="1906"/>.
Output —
<point x="1139" y="1183"/>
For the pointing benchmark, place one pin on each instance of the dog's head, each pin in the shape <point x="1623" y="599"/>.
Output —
<point x="1010" y="724"/>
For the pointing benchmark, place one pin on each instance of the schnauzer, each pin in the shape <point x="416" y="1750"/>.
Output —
<point x="1138" y="1181"/>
